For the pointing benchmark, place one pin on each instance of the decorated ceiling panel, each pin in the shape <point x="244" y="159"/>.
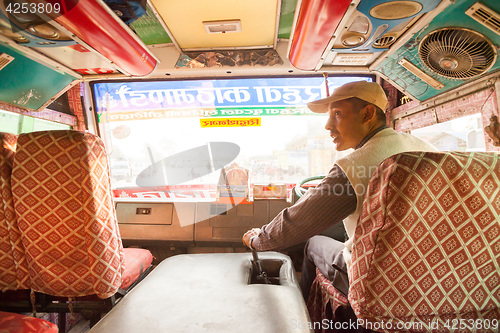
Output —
<point x="150" y="30"/>
<point x="17" y="86"/>
<point x="376" y="24"/>
<point x="453" y="49"/>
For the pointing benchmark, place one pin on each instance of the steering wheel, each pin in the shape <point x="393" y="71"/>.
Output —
<point x="300" y="189"/>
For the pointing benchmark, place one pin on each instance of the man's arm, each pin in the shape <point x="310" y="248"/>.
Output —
<point x="320" y="208"/>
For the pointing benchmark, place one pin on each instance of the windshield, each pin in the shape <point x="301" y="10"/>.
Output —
<point x="172" y="139"/>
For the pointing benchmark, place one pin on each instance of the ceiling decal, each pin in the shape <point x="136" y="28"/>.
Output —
<point x="265" y="57"/>
<point x="150" y="30"/>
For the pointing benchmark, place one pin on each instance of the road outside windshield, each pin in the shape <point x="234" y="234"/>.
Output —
<point x="171" y="139"/>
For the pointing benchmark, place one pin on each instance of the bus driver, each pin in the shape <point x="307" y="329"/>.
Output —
<point x="356" y="120"/>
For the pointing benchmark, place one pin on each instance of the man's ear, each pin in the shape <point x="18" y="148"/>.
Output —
<point x="369" y="113"/>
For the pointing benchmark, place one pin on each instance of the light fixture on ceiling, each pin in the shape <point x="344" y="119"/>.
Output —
<point x="5" y="59"/>
<point x="421" y="74"/>
<point x="222" y="27"/>
<point x="395" y="10"/>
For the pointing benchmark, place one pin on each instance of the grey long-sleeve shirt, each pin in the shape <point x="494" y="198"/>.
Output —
<point x="319" y="209"/>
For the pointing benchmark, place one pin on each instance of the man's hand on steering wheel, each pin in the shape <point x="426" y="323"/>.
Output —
<point x="247" y="237"/>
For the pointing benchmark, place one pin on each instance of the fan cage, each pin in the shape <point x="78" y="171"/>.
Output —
<point x="469" y="53"/>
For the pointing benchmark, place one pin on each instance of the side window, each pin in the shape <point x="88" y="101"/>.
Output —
<point x="16" y="123"/>
<point x="460" y="134"/>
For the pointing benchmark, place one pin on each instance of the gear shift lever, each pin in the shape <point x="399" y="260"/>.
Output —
<point x="261" y="274"/>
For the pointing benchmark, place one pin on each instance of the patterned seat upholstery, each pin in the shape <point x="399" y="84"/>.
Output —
<point x="427" y="246"/>
<point x="13" y="269"/>
<point x="324" y="300"/>
<point x="63" y="202"/>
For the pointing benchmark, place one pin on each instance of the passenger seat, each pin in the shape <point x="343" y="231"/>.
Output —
<point x="63" y="201"/>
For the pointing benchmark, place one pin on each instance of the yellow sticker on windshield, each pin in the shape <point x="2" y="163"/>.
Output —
<point x="229" y="122"/>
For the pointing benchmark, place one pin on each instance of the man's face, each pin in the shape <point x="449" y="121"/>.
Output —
<point x="345" y="125"/>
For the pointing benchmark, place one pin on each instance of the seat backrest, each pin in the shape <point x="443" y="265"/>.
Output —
<point x="62" y="198"/>
<point x="13" y="269"/>
<point x="427" y="246"/>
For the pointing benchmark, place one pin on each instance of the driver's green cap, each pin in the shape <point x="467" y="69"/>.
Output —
<point x="370" y="92"/>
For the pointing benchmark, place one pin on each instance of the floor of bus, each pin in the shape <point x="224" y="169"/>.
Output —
<point x="82" y="326"/>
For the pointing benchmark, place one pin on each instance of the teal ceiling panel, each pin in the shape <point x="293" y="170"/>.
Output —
<point x="454" y="16"/>
<point x="28" y="84"/>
